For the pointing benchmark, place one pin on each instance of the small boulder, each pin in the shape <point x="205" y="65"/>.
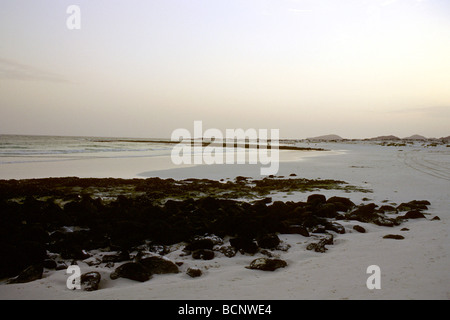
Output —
<point x="267" y="264"/>
<point x="117" y="257"/>
<point x="316" y="199"/>
<point x="159" y="265"/>
<point x="204" y="243"/>
<point x="413" y="214"/>
<point x="203" y="254"/>
<point x="90" y="281"/>
<point x="227" y="251"/>
<point x="414" y="205"/>
<point x="131" y="270"/>
<point x="33" y="272"/>
<point x="49" y="264"/>
<point x="60" y="265"/>
<point x="327" y="210"/>
<point x="268" y="241"/>
<point x="359" y="229"/>
<point x="328" y="239"/>
<point x="193" y="272"/>
<point x="341" y="203"/>
<point x="387" y="208"/>
<point x="336" y="227"/>
<point x="296" y="229"/>
<point x="245" y="245"/>
<point x="394" y="236"/>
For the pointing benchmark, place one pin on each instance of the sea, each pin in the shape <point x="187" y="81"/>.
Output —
<point x="32" y="156"/>
<point x="31" y="148"/>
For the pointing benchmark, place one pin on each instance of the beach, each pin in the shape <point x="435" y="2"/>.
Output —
<point x="415" y="267"/>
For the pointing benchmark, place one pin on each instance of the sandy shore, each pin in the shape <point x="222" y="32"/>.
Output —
<point x="413" y="268"/>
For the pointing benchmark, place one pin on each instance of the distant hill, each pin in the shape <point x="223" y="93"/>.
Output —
<point x="391" y="137"/>
<point x="445" y="138"/>
<point x="415" y="137"/>
<point x="327" y="137"/>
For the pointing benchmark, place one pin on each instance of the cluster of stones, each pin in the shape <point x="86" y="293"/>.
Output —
<point x="33" y="232"/>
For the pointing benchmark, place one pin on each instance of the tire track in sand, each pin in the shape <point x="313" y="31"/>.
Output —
<point x="420" y="161"/>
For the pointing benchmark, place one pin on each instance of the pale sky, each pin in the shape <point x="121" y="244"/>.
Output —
<point x="143" y="68"/>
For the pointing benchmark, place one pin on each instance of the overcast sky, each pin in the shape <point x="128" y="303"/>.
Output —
<point x="143" y="68"/>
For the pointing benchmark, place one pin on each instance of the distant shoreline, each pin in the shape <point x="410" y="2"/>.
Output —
<point x="223" y="144"/>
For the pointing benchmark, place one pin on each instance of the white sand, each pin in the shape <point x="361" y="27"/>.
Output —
<point x="413" y="268"/>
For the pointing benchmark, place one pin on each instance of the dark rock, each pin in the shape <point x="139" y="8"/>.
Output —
<point x="367" y="213"/>
<point x="414" y="205"/>
<point x="16" y="257"/>
<point x="200" y="244"/>
<point x="75" y="253"/>
<point x="316" y="199"/>
<point x="394" y="236"/>
<point x="119" y="257"/>
<point x="203" y="254"/>
<point x="386" y="222"/>
<point x="268" y="241"/>
<point x="387" y="208"/>
<point x="131" y="270"/>
<point x="296" y="229"/>
<point x="365" y="210"/>
<point x="327" y="210"/>
<point x="193" y="272"/>
<point x="320" y="246"/>
<point x="267" y="264"/>
<point x="318" y="229"/>
<point x="312" y="221"/>
<point x="90" y="280"/>
<point x="404" y="207"/>
<point x="283" y="247"/>
<point x="341" y="203"/>
<point x="35" y="233"/>
<point x="435" y="218"/>
<point x="126" y="234"/>
<point x="420" y="203"/>
<point x="33" y="272"/>
<point x="61" y="266"/>
<point x="336" y="227"/>
<point x="246" y="245"/>
<point x="266" y="200"/>
<point x="49" y="264"/>
<point x="159" y="265"/>
<point x="10" y="260"/>
<point x="414" y="214"/>
<point x="404" y="229"/>
<point x="266" y="253"/>
<point x="359" y="228"/>
<point x="227" y="251"/>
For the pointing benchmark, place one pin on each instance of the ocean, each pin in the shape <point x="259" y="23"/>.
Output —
<point x="31" y="147"/>
<point x="24" y="156"/>
<point x="29" y="156"/>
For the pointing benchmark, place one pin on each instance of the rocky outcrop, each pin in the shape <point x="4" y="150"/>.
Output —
<point x="71" y="226"/>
